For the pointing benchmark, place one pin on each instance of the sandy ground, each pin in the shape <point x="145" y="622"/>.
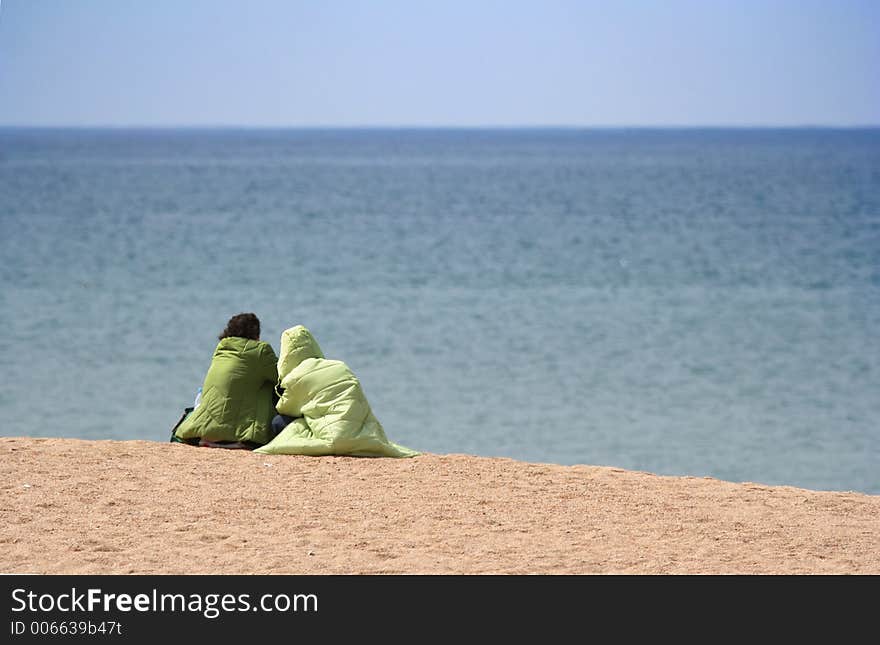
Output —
<point x="71" y="506"/>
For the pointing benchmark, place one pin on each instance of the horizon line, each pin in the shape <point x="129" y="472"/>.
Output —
<point x="232" y="126"/>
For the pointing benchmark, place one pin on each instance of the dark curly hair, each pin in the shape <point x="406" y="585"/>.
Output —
<point x="243" y="325"/>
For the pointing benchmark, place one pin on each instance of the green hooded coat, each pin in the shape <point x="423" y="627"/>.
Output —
<point x="333" y="415"/>
<point x="237" y="396"/>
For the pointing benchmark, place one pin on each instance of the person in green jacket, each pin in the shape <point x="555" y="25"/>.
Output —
<point x="238" y="395"/>
<point x="322" y="406"/>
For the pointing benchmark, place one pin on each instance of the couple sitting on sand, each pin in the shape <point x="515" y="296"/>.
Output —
<point x="299" y="403"/>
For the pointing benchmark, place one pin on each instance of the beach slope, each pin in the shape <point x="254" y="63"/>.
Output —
<point x="119" y="507"/>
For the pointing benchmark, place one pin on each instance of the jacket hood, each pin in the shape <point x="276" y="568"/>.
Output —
<point x="239" y="342"/>
<point x="297" y="344"/>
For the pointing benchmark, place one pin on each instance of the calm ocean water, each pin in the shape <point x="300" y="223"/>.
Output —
<point x="686" y="302"/>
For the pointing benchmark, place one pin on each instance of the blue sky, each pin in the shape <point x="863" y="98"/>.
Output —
<point x="440" y="63"/>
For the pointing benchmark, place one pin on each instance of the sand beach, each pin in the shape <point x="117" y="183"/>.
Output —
<point x="141" y="507"/>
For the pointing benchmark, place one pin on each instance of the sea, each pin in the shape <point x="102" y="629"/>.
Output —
<point x="693" y="302"/>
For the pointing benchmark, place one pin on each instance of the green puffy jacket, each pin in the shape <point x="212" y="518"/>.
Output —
<point x="237" y="396"/>
<point x="334" y="417"/>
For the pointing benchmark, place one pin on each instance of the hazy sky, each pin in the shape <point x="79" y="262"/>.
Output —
<point x="443" y="62"/>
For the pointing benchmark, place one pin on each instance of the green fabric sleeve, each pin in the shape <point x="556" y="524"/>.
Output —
<point x="269" y="364"/>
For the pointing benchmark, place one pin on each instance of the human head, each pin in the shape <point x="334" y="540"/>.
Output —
<point x="297" y="344"/>
<point x="243" y="325"/>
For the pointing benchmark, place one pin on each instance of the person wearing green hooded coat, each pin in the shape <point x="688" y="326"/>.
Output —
<point x="331" y="415"/>
<point x="238" y="395"/>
